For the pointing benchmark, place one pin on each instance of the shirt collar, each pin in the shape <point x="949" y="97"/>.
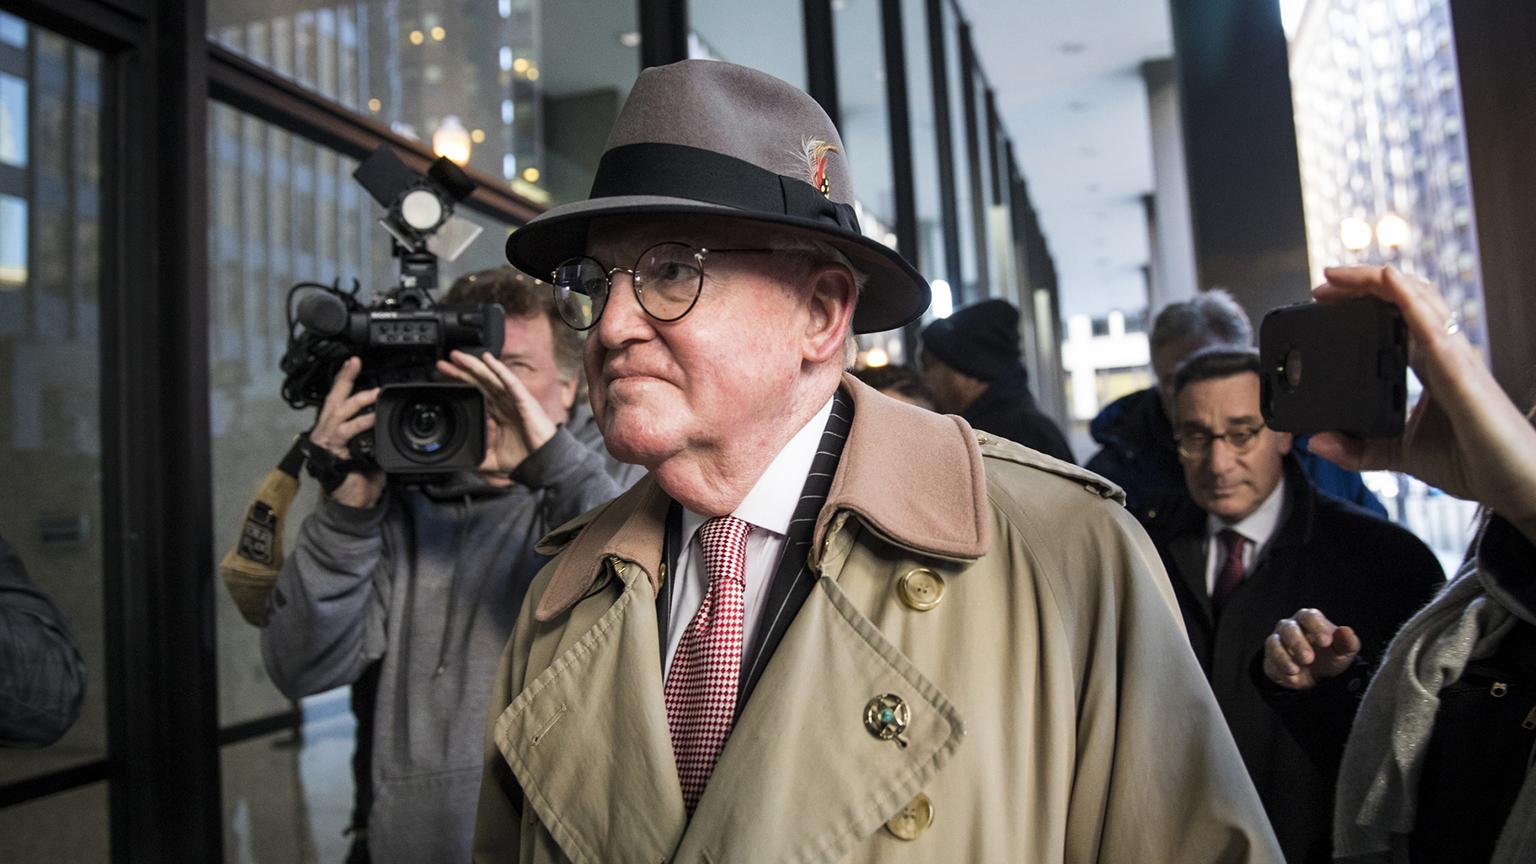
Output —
<point x="771" y="503"/>
<point x="1260" y="525"/>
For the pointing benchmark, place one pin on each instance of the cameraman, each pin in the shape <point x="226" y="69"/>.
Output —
<point x="427" y="580"/>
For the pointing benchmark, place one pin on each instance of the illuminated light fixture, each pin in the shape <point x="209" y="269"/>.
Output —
<point x="630" y="39"/>
<point x="375" y="105"/>
<point x="520" y="65"/>
<point x="439" y="34"/>
<point x="533" y="73"/>
<point x="531" y="174"/>
<point x="477" y="136"/>
<point x="943" y="301"/>
<point x="1392" y="231"/>
<point x="417" y="37"/>
<point x="1355" y="233"/>
<point x="506" y="58"/>
<point x="876" y="357"/>
<point x="452" y="140"/>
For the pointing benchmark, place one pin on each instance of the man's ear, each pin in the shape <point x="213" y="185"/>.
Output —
<point x="1284" y="441"/>
<point x="833" y="296"/>
<point x="568" y="388"/>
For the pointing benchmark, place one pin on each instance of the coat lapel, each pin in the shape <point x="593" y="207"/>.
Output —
<point x="801" y="751"/>
<point x="1187" y="551"/>
<point x="588" y="739"/>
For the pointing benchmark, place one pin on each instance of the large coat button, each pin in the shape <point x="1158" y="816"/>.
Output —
<point x="912" y="820"/>
<point x="921" y="588"/>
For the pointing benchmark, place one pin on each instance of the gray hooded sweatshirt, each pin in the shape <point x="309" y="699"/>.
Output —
<point x="429" y="581"/>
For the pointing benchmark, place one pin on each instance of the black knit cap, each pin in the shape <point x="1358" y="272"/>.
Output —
<point x="980" y="340"/>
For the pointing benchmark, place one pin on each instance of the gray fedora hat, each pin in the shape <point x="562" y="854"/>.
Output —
<point x="708" y="138"/>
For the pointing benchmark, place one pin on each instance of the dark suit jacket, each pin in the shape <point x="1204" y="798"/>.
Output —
<point x="1355" y="567"/>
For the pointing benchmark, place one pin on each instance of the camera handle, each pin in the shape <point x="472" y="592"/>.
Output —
<point x="326" y="467"/>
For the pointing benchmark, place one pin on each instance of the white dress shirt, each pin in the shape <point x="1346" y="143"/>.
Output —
<point x="768" y="508"/>
<point x="1259" y="527"/>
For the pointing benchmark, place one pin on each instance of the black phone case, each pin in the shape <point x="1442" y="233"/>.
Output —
<point x="1352" y="374"/>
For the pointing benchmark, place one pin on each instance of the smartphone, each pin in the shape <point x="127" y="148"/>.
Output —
<point x="1339" y="367"/>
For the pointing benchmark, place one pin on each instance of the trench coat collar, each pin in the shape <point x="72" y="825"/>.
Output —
<point x="913" y="477"/>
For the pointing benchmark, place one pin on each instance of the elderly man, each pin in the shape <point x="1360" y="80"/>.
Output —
<point x="828" y="626"/>
<point x="1253" y="542"/>
<point x="1135" y="432"/>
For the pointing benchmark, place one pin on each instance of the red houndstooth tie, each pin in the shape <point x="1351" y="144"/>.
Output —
<point x="701" y="686"/>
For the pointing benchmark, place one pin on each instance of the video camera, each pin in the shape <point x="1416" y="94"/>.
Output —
<point x="426" y="425"/>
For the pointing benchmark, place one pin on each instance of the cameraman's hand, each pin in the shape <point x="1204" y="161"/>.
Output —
<point x="1464" y="436"/>
<point x="522" y="424"/>
<point x="340" y="421"/>
<point x="1307" y="649"/>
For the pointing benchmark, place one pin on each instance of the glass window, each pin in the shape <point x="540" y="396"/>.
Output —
<point x="288" y="797"/>
<point x="1383" y="175"/>
<point x="70" y="826"/>
<point x="925" y="148"/>
<point x="13" y="120"/>
<point x="959" y="144"/>
<point x="767" y="35"/>
<point x="282" y="210"/>
<point x="50" y="426"/>
<point x="866" y="131"/>
<point x="527" y="89"/>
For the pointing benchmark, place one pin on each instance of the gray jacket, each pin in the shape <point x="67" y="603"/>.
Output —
<point x="429" y="580"/>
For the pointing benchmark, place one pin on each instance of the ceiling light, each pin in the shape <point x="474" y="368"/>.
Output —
<point x="630" y="39"/>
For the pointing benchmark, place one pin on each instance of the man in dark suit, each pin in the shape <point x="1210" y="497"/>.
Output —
<point x="1254" y="542"/>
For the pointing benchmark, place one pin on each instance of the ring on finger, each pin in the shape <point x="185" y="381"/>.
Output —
<point x="1452" y="325"/>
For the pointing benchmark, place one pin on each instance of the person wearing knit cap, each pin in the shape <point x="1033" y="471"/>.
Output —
<point x="972" y="363"/>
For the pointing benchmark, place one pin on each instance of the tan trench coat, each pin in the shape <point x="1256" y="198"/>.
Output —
<point x="1057" y="712"/>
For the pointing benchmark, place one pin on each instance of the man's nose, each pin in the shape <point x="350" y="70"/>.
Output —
<point x="1222" y="457"/>
<point x="623" y="318"/>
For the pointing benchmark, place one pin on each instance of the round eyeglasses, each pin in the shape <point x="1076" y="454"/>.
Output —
<point x="667" y="279"/>
<point x="1195" y="443"/>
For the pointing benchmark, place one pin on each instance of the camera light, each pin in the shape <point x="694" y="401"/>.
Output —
<point x="421" y="210"/>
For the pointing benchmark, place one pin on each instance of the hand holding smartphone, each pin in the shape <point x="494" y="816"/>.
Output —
<point x="1335" y="367"/>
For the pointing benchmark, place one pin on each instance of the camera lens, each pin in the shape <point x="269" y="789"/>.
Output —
<point x="1293" y="368"/>
<point x="426" y="427"/>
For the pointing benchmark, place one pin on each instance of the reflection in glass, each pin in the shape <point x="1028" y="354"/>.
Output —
<point x="535" y="84"/>
<point x="282" y="210"/>
<point x="50" y="426"/>
<point x="925" y="147"/>
<point x="763" y="34"/>
<point x="70" y="826"/>
<point x="866" y="132"/>
<point x="968" y="291"/>
<point x="1379" y="134"/>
